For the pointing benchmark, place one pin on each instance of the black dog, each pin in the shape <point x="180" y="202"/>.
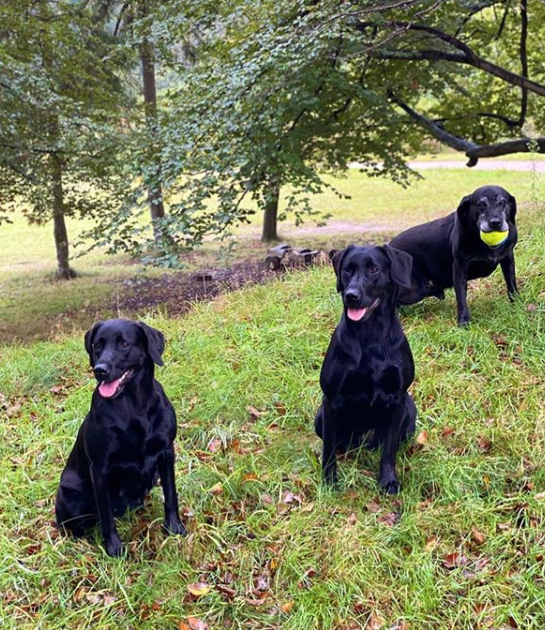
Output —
<point x="450" y="251"/>
<point x="368" y="366"/>
<point x="126" y="441"/>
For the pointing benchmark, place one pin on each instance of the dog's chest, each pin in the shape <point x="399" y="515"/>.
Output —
<point x="376" y="382"/>
<point x="140" y="441"/>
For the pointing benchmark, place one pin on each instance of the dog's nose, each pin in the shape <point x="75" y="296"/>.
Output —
<point x="495" y="223"/>
<point x="101" y="370"/>
<point x="352" y="296"/>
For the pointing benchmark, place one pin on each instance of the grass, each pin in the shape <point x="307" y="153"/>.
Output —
<point x="27" y="258"/>
<point x="462" y="547"/>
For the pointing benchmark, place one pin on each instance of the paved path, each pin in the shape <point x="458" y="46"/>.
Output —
<point x="484" y="165"/>
<point x="492" y="164"/>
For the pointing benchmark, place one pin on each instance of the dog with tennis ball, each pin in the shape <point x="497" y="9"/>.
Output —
<point x="467" y="244"/>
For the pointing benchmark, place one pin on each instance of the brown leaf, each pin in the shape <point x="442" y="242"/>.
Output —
<point x="389" y="519"/>
<point x="453" y="560"/>
<point x="280" y="409"/>
<point x="198" y="589"/>
<point x="422" y="438"/>
<point x="352" y="519"/>
<point x="431" y="543"/>
<point x="214" y="445"/>
<point x="289" y="497"/>
<point x="197" y="624"/>
<point x="229" y="592"/>
<point x="376" y="622"/>
<point x="484" y="444"/>
<point x="531" y="307"/>
<point x="254" y="413"/>
<point x="217" y="489"/>
<point x="477" y="536"/>
<point x="287" y="606"/>
<point x="447" y="432"/>
<point x="56" y="389"/>
<point x="373" y="506"/>
<point x="250" y="477"/>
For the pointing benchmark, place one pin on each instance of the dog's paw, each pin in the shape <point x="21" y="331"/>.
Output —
<point x="174" y="526"/>
<point x="463" y="321"/>
<point x="114" y="547"/>
<point x="390" y="486"/>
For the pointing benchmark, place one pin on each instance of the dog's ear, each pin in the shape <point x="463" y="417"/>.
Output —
<point x="401" y="266"/>
<point x="463" y="209"/>
<point x="88" y="340"/>
<point x="155" y="341"/>
<point x="337" y="261"/>
<point x="513" y="206"/>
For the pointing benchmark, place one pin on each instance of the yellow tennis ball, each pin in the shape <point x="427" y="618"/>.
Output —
<point x="494" y="238"/>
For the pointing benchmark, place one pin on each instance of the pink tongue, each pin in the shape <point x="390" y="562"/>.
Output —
<point x="108" y="389"/>
<point x="355" y="314"/>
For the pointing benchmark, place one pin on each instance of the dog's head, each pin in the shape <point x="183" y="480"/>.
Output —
<point x="367" y="276"/>
<point x="489" y="209"/>
<point x="118" y="349"/>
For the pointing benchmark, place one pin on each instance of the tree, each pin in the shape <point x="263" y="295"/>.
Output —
<point x="60" y="135"/>
<point x="285" y="90"/>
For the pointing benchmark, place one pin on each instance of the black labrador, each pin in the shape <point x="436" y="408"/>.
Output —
<point x="126" y="441"/>
<point x="368" y="366"/>
<point x="450" y="251"/>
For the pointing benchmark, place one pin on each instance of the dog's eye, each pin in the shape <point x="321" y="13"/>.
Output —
<point x="124" y="345"/>
<point x="501" y="202"/>
<point x="373" y="269"/>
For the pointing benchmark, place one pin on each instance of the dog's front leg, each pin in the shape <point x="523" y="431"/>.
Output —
<point x="459" y="272"/>
<point x="172" y="523"/>
<point x="508" y="268"/>
<point x="112" y="541"/>
<point x="392" y="437"/>
<point x="329" y="438"/>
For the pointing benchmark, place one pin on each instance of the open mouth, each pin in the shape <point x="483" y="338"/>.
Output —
<point x="114" y="388"/>
<point x="357" y="314"/>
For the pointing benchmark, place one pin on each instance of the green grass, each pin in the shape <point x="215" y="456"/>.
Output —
<point x="35" y="306"/>
<point x="298" y="557"/>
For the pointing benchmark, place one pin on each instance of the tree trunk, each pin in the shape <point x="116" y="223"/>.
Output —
<point x="270" y="216"/>
<point x="155" y="191"/>
<point x="64" y="271"/>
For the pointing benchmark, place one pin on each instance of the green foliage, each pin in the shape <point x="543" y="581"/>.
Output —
<point x="61" y="96"/>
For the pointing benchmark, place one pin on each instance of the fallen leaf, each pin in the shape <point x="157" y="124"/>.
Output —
<point x="389" y="519"/>
<point x="229" y="592"/>
<point x="376" y="622"/>
<point x="254" y="413"/>
<point x="250" y="477"/>
<point x="447" y="432"/>
<point x="197" y="624"/>
<point x="280" y="409"/>
<point x="484" y="444"/>
<point x="531" y="307"/>
<point x="431" y="543"/>
<point x="287" y="606"/>
<point x="373" y="506"/>
<point x="214" y="445"/>
<point x="198" y="589"/>
<point x="477" y="536"/>
<point x="289" y="497"/>
<point x="453" y="560"/>
<point x="352" y="519"/>
<point x="422" y="438"/>
<point x="217" y="489"/>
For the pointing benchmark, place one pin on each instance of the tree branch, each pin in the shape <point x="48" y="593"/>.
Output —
<point x="466" y="54"/>
<point x="472" y="150"/>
